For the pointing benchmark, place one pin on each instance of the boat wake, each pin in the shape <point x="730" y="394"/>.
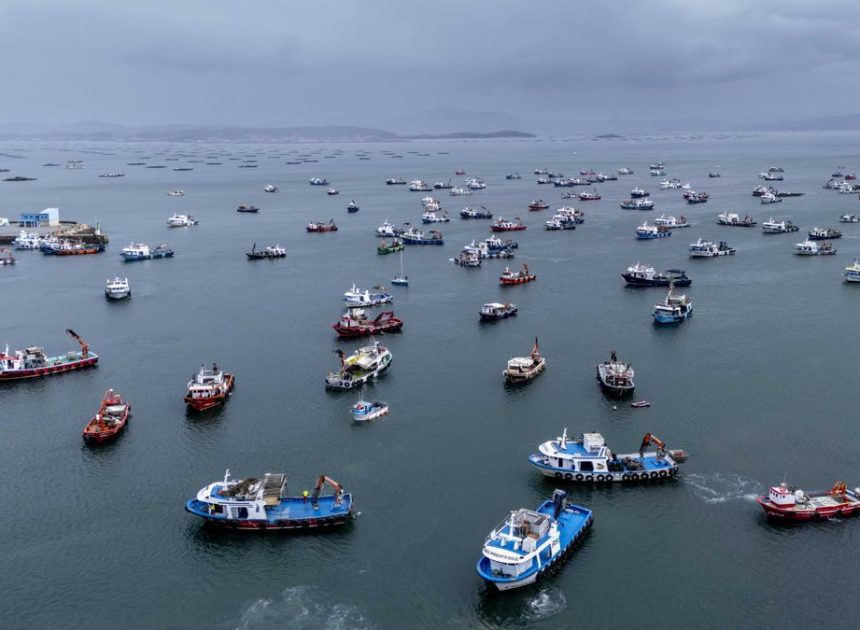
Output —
<point x="723" y="487"/>
<point x="545" y="604"/>
<point x="302" y="607"/>
<point x="511" y="612"/>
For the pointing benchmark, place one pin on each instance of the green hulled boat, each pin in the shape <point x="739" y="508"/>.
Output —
<point x="390" y="248"/>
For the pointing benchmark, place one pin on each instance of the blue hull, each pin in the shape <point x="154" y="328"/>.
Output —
<point x="666" y="319"/>
<point x="573" y="523"/>
<point x="648" y="237"/>
<point x="293" y="513"/>
<point x="409" y="241"/>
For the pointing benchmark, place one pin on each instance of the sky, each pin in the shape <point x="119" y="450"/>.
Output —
<point x="368" y="62"/>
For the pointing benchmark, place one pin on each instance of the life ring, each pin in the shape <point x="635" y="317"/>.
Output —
<point x="579" y="477"/>
<point x="558" y="475"/>
<point x="599" y="477"/>
<point x="625" y="477"/>
<point x="568" y="476"/>
<point x="663" y="473"/>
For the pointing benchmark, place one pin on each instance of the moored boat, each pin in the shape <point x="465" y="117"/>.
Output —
<point x="587" y="459"/>
<point x="6" y="257"/>
<point x="522" y="369"/>
<point x="475" y="213"/>
<point x="363" y="365"/>
<point x="771" y="226"/>
<point x="181" y="220"/>
<point x="824" y="234"/>
<point x="109" y="421"/>
<point x="363" y="410"/>
<point x="269" y="252"/>
<point x="615" y="377"/>
<point x="117" y="288"/>
<point x="637" y="204"/>
<point x="208" y="388"/>
<point x="355" y="323"/>
<point x="538" y="204"/>
<point x="852" y="271"/>
<point x="849" y="218"/>
<point x="270" y="188"/>
<point x="672" y="222"/>
<point x="265" y="505"/>
<point x="247" y="207"/>
<point x="709" y="249"/>
<point x="645" y="276"/>
<point x="733" y="219"/>
<point x="790" y="503"/>
<point x="647" y="232"/>
<point x="509" y="277"/>
<point x="373" y="296"/>
<point x="814" y="248"/>
<point x="413" y="236"/>
<point x="352" y="207"/>
<point x="529" y="544"/>
<point x="674" y="309"/>
<point x="501" y="225"/>
<point x="494" y="311"/>
<point x="385" y="247"/>
<point x="142" y="251"/>
<point x="321" y="226"/>
<point x="32" y="362"/>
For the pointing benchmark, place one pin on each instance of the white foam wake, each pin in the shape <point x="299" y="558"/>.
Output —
<point x="722" y="487"/>
<point x="302" y="607"/>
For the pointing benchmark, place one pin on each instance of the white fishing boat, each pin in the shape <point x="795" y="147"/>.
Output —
<point x="387" y="229"/>
<point x="522" y="369"/>
<point x="175" y="193"/>
<point x="365" y="364"/>
<point x="852" y="271"/>
<point x="117" y="288"/>
<point x="771" y="226"/>
<point x="27" y="240"/>
<point x="417" y="185"/>
<point x="362" y="410"/>
<point x="181" y="220"/>
<point x="814" y="248"/>
<point x="671" y="222"/>
<point x="709" y="249"/>
<point x="770" y="197"/>
<point x="367" y="297"/>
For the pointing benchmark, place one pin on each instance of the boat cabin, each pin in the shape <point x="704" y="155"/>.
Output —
<point x="782" y="495"/>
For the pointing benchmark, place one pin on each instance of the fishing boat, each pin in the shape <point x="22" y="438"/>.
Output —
<point x="208" y="388"/>
<point x="363" y="410"/>
<point x="373" y="296"/>
<point x="181" y="220"/>
<point x="355" y="323"/>
<point x="70" y="247"/>
<point x="270" y="188"/>
<point x="265" y="505"/>
<point x="332" y="191"/>
<point x="522" y="369"/>
<point x="615" y="377"/>
<point x="670" y="184"/>
<point x="474" y="183"/>
<point x="384" y="247"/>
<point x="431" y="216"/>
<point x="522" y="276"/>
<point x="772" y="226"/>
<point x="647" y="232"/>
<point x="32" y="362"/>
<point x="395" y="181"/>
<point x="511" y="176"/>
<point x="6" y="257"/>
<point x="318" y="181"/>
<point x="852" y="271"/>
<point x="117" y="288"/>
<point x="637" y="204"/>
<point x="387" y="229"/>
<point x="468" y="257"/>
<point x="770" y="197"/>
<point x="640" y="275"/>
<point x="814" y="248"/>
<point x="501" y="225"/>
<point x="849" y="218"/>
<point x="417" y="185"/>
<point x="638" y="193"/>
<point x="558" y="222"/>
<point x="459" y="192"/>
<point x="494" y="311"/>
<point x="733" y="219"/>
<point x="587" y="459"/>
<point x="824" y="234"/>
<point x="363" y="365"/>
<point x="475" y="213"/>
<point x="693" y="197"/>
<point x="27" y="241"/>
<point x="352" y="207"/>
<point x="671" y="222"/>
<point x="269" y="252"/>
<point x="175" y="193"/>
<point x="401" y="280"/>
<point x="708" y="249"/>
<point x="625" y="171"/>
<point x="714" y="174"/>
<point x="495" y="244"/>
<point x="142" y="251"/>
<point x="530" y="544"/>
<point x="413" y="236"/>
<point x="109" y="421"/>
<point x="443" y="185"/>
<point x="247" y="207"/>
<point x="791" y="503"/>
<point x="674" y="309"/>
<point x="589" y="195"/>
<point x="539" y="204"/>
<point x="321" y="226"/>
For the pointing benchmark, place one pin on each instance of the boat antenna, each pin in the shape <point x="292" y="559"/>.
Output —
<point x="227" y="475"/>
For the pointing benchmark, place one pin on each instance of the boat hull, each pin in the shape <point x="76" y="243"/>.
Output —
<point x="323" y="521"/>
<point x="791" y="513"/>
<point x="363" y="331"/>
<point x="202" y="404"/>
<point x="49" y="370"/>
<point x="664" y="281"/>
<point x="606" y="477"/>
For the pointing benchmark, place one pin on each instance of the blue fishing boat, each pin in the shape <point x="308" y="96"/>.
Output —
<point x="647" y="232"/>
<point x="529" y="543"/>
<point x="417" y="237"/>
<point x="143" y="251"/>
<point x="264" y="504"/>
<point x="674" y="309"/>
<point x="587" y="459"/>
<point x="363" y="410"/>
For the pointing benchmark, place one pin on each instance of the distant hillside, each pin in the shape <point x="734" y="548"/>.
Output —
<point x="470" y="135"/>
<point x="441" y="120"/>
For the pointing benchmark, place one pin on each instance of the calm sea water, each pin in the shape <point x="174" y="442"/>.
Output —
<point x="761" y="385"/>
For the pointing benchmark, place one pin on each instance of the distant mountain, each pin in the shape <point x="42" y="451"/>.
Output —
<point x="444" y="120"/>
<point x="471" y="135"/>
<point x="849" y="122"/>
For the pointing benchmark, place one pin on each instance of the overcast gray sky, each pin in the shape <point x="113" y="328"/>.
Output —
<point x="280" y="62"/>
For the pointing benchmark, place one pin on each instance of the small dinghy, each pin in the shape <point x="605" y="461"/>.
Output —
<point x="363" y="410"/>
<point x="639" y="404"/>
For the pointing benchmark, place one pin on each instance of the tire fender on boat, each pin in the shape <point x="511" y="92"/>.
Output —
<point x="625" y="477"/>
<point x="568" y="476"/>
<point x="634" y="477"/>
<point x="663" y="473"/>
<point x="589" y="477"/>
<point x="599" y="477"/>
<point x="558" y="475"/>
<point x="673" y="472"/>
<point x="654" y="475"/>
<point x="579" y="477"/>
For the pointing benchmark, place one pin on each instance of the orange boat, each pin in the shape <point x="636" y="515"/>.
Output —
<point x="208" y="388"/>
<point x="110" y="420"/>
<point x="509" y="277"/>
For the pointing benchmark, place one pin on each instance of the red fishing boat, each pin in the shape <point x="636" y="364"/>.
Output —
<point x="110" y="420"/>
<point x="501" y="225"/>
<point x="509" y="277"/>
<point x="355" y="323"/>
<point x="208" y="388"/>
<point x="320" y="226"/>
<point x="790" y="503"/>
<point x="32" y="362"/>
<point x="77" y="248"/>
<point x="540" y="204"/>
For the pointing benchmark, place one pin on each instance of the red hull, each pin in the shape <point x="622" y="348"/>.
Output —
<point x="362" y="331"/>
<point x="202" y="404"/>
<point x="791" y="513"/>
<point x="333" y="229"/>
<point x="12" y="375"/>
<point x="496" y="228"/>
<point x="511" y="281"/>
<point x="76" y="252"/>
<point x="106" y="434"/>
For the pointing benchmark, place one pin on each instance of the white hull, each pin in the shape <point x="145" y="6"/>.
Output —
<point x="117" y="295"/>
<point x="507" y="586"/>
